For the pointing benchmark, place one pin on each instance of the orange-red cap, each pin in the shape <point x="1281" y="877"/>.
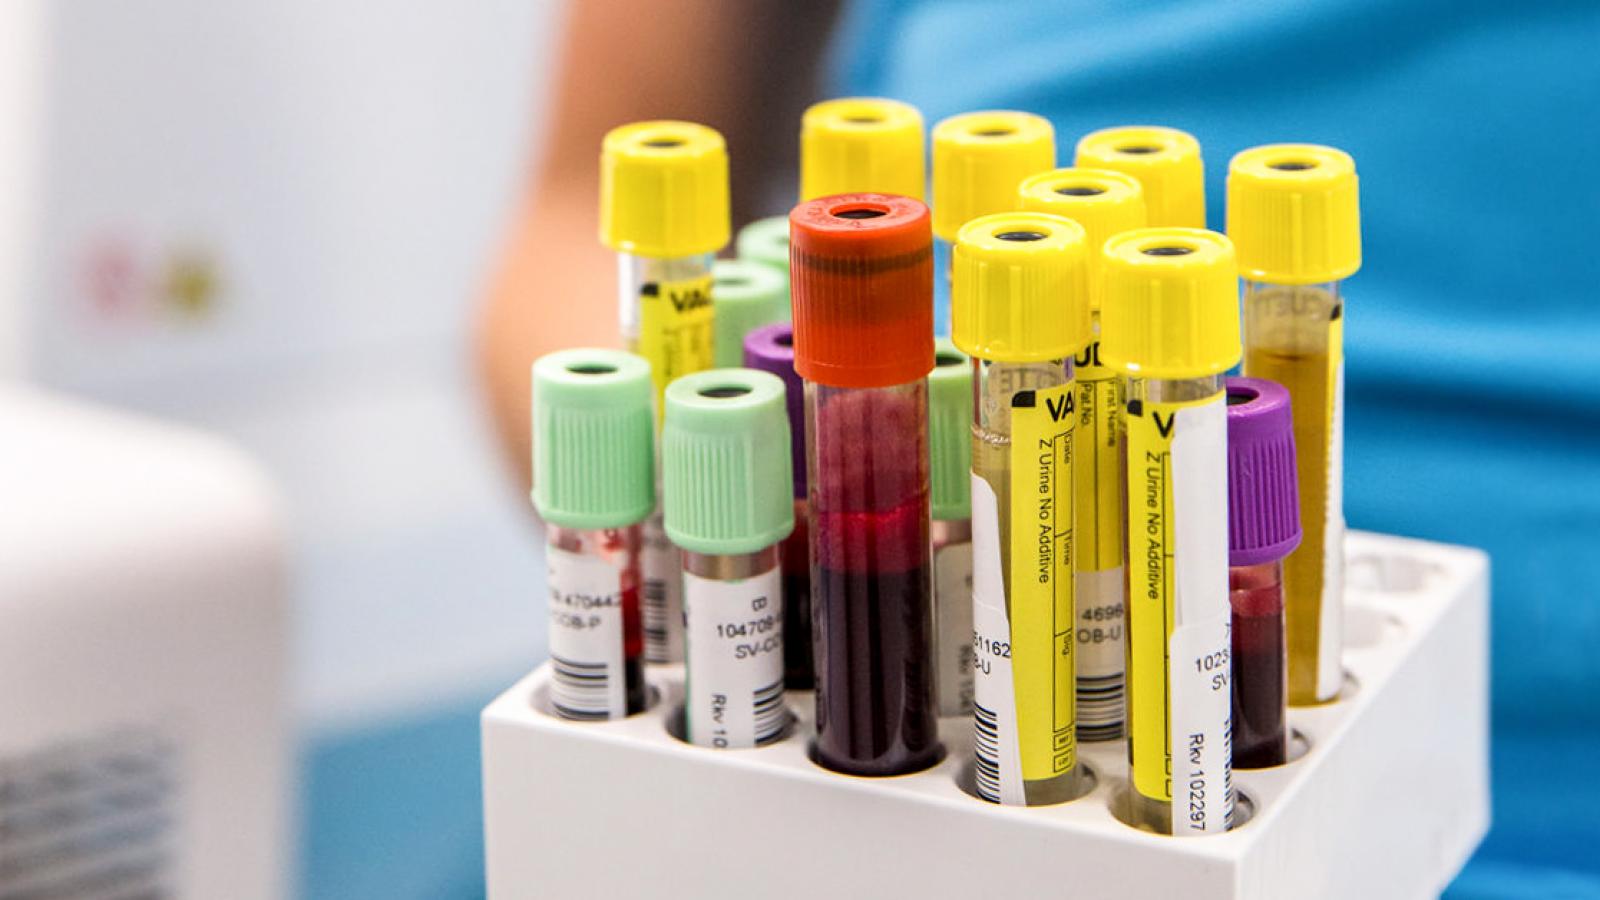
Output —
<point x="861" y="276"/>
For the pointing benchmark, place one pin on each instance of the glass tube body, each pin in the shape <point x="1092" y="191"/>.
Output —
<point x="995" y="384"/>
<point x="1099" y="534"/>
<point x="1260" y="674"/>
<point x="796" y="563"/>
<point x="1293" y="334"/>
<point x="867" y="466"/>
<point x="1149" y="628"/>
<point x="734" y="649"/>
<point x="593" y="575"/>
<point x="952" y="615"/>
<point x="676" y="340"/>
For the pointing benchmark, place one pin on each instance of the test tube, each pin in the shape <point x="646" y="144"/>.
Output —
<point x="1021" y="311"/>
<point x="771" y="349"/>
<point x="726" y="483"/>
<point x="664" y="209"/>
<point x="950" y="504"/>
<point x="979" y="159"/>
<point x="857" y="144"/>
<point x="1263" y="528"/>
<point x="1105" y="203"/>
<point x="1170" y="325"/>
<point x="747" y="296"/>
<point x="863" y="342"/>
<point x="593" y="484"/>
<point x="1165" y="160"/>
<point x="766" y="241"/>
<point x="1293" y="212"/>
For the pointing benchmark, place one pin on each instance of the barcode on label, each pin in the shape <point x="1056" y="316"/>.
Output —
<point x="580" y="690"/>
<point x="655" y="620"/>
<point x="1100" y="707"/>
<point x="986" y="753"/>
<point x="771" y="716"/>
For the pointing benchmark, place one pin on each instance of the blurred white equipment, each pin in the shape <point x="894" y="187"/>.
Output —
<point x="143" y="740"/>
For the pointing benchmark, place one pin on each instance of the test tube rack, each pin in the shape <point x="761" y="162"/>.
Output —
<point x="1387" y="799"/>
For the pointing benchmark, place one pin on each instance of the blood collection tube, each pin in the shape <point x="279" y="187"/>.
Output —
<point x="1263" y="528"/>
<point x="979" y="159"/>
<point x="950" y="504"/>
<point x="858" y="144"/>
<point x="771" y="349"/>
<point x="1105" y="203"/>
<point x="766" y="241"/>
<point x="862" y="279"/>
<point x="726" y="484"/>
<point x="664" y="209"/>
<point x="747" y="295"/>
<point x="1293" y="212"/>
<point x="1021" y="311"/>
<point x="593" y="484"/>
<point x="1165" y="160"/>
<point x="1170" y="325"/>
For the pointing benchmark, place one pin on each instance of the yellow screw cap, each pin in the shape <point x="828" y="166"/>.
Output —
<point x="858" y="145"/>
<point x="1165" y="160"/>
<point x="664" y="189"/>
<point x="1294" y="213"/>
<point x="1102" y="201"/>
<point x="1171" y="304"/>
<point x="978" y="161"/>
<point x="1020" y="287"/>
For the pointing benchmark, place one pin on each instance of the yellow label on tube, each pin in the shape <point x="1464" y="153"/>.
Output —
<point x="1041" y="588"/>
<point x="676" y="322"/>
<point x="1179" y="694"/>
<point x="1099" y="470"/>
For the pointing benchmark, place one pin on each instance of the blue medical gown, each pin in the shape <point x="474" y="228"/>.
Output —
<point x="1473" y="328"/>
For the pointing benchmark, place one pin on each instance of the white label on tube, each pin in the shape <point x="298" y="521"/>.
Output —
<point x="1101" y="654"/>
<point x="1330" y="633"/>
<point x="734" y="638"/>
<point x="586" y="638"/>
<point x="1200" y="705"/>
<point x="952" y="593"/>
<point x="997" y="752"/>
<point x="661" y="569"/>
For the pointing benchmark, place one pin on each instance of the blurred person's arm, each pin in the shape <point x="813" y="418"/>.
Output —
<point x="718" y="62"/>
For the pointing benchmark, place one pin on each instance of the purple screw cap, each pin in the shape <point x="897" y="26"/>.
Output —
<point x="1263" y="498"/>
<point x="771" y="349"/>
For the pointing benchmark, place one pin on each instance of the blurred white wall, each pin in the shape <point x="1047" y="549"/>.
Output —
<point x="272" y="219"/>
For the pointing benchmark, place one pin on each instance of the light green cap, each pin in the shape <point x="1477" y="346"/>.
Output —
<point x="746" y="295"/>
<point x="726" y="480"/>
<point x="593" y="460"/>
<point x="766" y="241"/>
<point x="950" y="433"/>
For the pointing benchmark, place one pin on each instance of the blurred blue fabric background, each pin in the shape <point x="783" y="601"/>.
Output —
<point x="1473" y="348"/>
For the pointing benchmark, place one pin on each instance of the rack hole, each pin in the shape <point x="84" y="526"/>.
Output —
<point x="677" y="725"/>
<point x="1082" y="783"/>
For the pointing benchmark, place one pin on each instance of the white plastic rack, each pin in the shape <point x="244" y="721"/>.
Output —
<point x="1387" y="798"/>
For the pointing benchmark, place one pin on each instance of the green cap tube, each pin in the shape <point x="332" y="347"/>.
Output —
<point x="766" y="241"/>
<point x="593" y="460"/>
<point x="726" y="480"/>
<point x="745" y="295"/>
<point x="950" y="433"/>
